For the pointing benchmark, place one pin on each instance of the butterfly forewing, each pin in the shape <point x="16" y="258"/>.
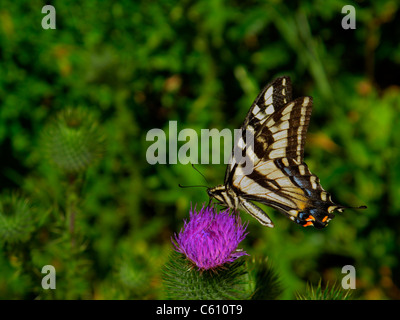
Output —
<point x="271" y="99"/>
<point x="284" y="133"/>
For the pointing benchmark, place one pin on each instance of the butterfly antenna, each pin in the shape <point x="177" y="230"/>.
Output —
<point x="360" y="207"/>
<point x="199" y="186"/>
<point x="200" y="173"/>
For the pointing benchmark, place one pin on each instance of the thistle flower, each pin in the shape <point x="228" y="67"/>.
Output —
<point x="210" y="239"/>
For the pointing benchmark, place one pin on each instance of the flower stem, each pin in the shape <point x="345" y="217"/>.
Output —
<point x="72" y="197"/>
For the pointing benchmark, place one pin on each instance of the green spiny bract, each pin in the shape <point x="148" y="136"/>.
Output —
<point x="183" y="281"/>
<point x="17" y="220"/>
<point x="330" y="292"/>
<point x="267" y="285"/>
<point x="73" y="141"/>
<point x="242" y="279"/>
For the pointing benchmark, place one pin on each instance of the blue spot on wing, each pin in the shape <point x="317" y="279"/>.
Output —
<point x="308" y="191"/>
<point x="300" y="182"/>
<point x="304" y="185"/>
<point x="287" y="171"/>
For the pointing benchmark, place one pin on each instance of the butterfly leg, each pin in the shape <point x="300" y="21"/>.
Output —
<point x="256" y="212"/>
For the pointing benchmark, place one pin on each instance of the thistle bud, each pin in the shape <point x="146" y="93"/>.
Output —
<point x="16" y="219"/>
<point x="73" y="141"/>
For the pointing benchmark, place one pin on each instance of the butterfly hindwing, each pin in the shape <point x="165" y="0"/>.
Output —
<point x="289" y="187"/>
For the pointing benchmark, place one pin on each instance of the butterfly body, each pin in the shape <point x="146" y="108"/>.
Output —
<point x="279" y="177"/>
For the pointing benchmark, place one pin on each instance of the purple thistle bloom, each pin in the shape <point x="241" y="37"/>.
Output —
<point x="210" y="239"/>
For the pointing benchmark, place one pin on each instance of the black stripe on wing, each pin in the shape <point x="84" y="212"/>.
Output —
<point x="291" y="188"/>
<point x="271" y="99"/>
<point x="284" y="133"/>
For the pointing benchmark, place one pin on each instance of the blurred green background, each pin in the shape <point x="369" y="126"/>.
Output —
<point x="135" y="66"/>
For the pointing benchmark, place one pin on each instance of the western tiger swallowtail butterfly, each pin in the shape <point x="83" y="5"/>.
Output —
<point x="280" y="178"/>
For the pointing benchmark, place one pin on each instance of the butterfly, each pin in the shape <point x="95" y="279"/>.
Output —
<point x="279" y="177"/>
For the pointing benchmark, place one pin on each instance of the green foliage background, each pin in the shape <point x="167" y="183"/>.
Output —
<point x="136" y="65"/>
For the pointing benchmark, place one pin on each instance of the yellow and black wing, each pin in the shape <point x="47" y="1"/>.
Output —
<point x="279" y="178"/>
